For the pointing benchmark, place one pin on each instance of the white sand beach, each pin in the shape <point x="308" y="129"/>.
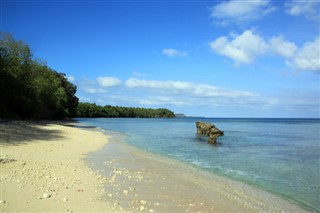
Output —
<point x="44" y="169"/>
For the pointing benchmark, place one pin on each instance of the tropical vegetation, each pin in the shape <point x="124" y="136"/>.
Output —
<point x="31" y="89"/>
<point x="90" y="110"/>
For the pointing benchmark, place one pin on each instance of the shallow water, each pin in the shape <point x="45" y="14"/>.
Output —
<point x="279" y="155"/>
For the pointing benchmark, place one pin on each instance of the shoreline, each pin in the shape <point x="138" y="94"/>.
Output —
<point x="209" y="174"/>
<point x="184" y="188"/>
<point x="60" y="166"/>
<point x="43" y="168"/>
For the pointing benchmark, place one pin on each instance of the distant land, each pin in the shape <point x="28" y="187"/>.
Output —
<point x="180" y="115"/>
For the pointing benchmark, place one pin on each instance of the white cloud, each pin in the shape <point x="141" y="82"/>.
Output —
<point x="187" y="88"/>
<point x="155" y="93"/>
<point x="153" y="84"/>
<point x="108" y="81"/>
<point x="91" y="86"/>
<point x="99" y="85"/>
<point x="307" y="8"/>
<point x="184" y="100"/>
<point x="174" y="53"/>
<point x="71" y="78"/>
<point x="307" y="57"/>
<point x="93" y="90"/>
<point x="241" y="11"/>
<point x="282" y="47"/>
<point x="164" y="100"/>
<point x="242" y="49"/>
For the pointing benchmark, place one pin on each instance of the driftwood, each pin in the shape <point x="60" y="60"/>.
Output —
<point x="208" y="130"/>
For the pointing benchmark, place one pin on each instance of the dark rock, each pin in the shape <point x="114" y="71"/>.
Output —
<point x="208" y="130"/>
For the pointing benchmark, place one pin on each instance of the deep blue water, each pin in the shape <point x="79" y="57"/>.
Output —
<point x="279" y="155"/>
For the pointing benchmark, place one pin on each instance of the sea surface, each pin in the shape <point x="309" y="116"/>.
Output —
<point x="278" y="155"/>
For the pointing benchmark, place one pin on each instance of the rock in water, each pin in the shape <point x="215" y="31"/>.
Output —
<point x="208" y="130"/>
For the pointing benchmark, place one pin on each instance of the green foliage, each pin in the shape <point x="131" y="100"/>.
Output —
<point x="30" y="89"/>
<point x="89" y="110"/>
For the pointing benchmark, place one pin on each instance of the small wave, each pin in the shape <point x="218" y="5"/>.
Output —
<point x="220" y="169"/>
<point x="201" y="164"/>
<point x="238" y="173"/>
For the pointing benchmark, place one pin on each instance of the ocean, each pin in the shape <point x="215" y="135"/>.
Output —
<point x="281" y="156"/>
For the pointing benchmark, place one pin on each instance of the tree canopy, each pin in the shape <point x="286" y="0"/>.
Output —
<point x="90" y="110"/>
<point x="29" y="88"/>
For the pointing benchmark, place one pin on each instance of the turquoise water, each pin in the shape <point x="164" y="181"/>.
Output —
<point x="279" y="155"/>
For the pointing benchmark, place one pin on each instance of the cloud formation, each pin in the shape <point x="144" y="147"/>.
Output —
<point x="239" y="12"/>
<point x="108" y="81"/>
<point x="307" y="8"/>
<point x="187" y="88"/>
<point x="164" y="100"/>
<point x="181" y="93"/>
<point x="99" y="85"/>
<point x="307" y="57"/>
<point x="244" y="48"/>
<point x="91" y="89"/>
<point x="281" y="47"/>
<point x="156" y="93"/>
<point x="174" y="53"/>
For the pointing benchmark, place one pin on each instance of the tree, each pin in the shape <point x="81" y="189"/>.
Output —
<point x="15" y="75"/>
<point x="29" y="88"/>
<point x="92" y="110"/>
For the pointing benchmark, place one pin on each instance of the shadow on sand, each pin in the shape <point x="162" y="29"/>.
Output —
<point x="15" y="133"/>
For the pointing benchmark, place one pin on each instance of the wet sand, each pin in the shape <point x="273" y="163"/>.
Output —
<point x="139" y="180"/>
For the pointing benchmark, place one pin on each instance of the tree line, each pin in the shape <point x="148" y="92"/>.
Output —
<point x="89" y="110"/>
<point x="31" y="89"/>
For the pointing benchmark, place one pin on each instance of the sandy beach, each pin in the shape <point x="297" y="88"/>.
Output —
<point x="42" y="168"/>
<point x="142" y="180"/>
<point x="55" y="167"/>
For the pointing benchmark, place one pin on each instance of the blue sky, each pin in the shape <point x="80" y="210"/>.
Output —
<point x="256" y="58"/>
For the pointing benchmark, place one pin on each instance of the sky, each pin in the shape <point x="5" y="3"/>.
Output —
<point x="255" y="58"/>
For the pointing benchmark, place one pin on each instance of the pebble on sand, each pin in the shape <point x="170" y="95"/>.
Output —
<point x="143" y="202"/>
<point x="46" y="195"/>
<point x="142" y="208"/>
